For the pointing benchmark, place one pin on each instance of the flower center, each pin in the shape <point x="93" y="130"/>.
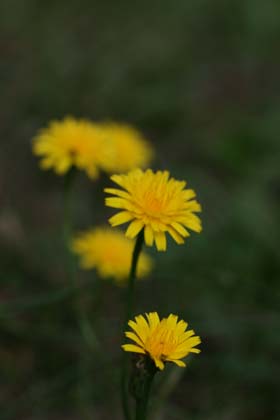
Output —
<point x="111" y="256"/>
<point x="153" y="204"/>
<point x="73" y="152"/>
<point x="161" y="344"/>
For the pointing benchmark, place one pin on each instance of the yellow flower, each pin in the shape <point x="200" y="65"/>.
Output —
<point x="109" y="252"/>
<point x="71" y="143"/>
<point x="128" y="149"/>
<point x="155" y="202"/>
<point x="163" y="340"/>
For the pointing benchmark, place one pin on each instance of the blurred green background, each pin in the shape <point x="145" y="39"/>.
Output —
<point x="201" y="80"/>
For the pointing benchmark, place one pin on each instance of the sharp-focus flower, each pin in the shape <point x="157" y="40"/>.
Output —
<point x="71" y="143"/>
<point x="155" y="202"/>
<point x="163" y="340"/>
<point x="109" y="252"/>
<point x="128" y="148"/>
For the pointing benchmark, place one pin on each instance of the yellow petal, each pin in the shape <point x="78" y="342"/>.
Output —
<point x="186" y="335"/>
<point x="155" y="226"/>
<point x="140" y="327"/>
<point x="120" y="218"/>
<point x="92" y="172"/>
<point x="186" y="348"/>
<point x="160" y="239"/>
<point x="177" y="238"/>
<point x="134" y="337"/>
<point x="194" y="341"/>
<point x="177" y="362"/>
<point x="194" y="350"/>
<point x="179" y="354"/>
<point x="119" y="193"/>
<point x="171" y="321"/>
<point x="188" y="194"/>
<point x="132" y="348"/>
<point x="63" y="165"/>
<point x="143" y="325"/>
<point x="149" y="235"/>
<point x="134" y="228"/>
<point x="46" y="163"/>
<point x="159" y="363"/>
<point x="180" y="229"/>
<point x="180" y="328"/>
<point x="153" y="320"/>
<point x="115" y="202"/>
<point x="193" y="206"/>
<point x="119" y="179"/>
<point x="193" y="222"/>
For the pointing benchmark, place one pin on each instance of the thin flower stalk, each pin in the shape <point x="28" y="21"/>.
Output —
<point x="129" y="306"/>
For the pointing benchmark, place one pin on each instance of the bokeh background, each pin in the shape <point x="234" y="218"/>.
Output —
<point x="201" y="80"/>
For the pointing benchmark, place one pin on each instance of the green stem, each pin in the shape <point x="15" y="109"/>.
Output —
<point x="142" y="403"/>
<point x="124" y="391"/>
<point x="132" y="275"/>
<point x="129" y="307"/>
<point x="67" y="219"/>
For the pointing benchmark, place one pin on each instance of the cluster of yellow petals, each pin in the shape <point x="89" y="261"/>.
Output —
<point x="109" y="252"/>
<point x="163" y="340"/>
<point x="90" y="147"/>
<point x="71" y="143"/>
<point x="156" y="203"/>
<point x="129" y="149"/>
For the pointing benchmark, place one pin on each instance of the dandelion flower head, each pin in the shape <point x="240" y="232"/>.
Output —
<point x="156" y="203"/>
<point x="71" y="143"/>
<point x="109" y="252"/>
<point x="163" y="340"/>
<point x="128" y="148"/>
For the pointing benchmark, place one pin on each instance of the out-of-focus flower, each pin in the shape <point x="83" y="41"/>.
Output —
<point x="109" y="252"/>
<point x="156" y="203"/>
<point x="128" y="148"/>
<point x="163" y="340"/>
<point x="71" y="143"/>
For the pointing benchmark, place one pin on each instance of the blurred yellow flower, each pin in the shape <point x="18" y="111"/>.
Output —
<point x="155" y="202"/>
<point x="128" y="148"/>
<point x="71" y="143"/>
<point x="109" y="252"/>
<point x="163" y="340"/>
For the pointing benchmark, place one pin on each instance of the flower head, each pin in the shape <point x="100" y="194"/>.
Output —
<point x="155" y="202"/>
<point x="71" y="143"/>
<point x="109" y="252"/>
<point x="128" y="148"/>
<point x="163" y="340"/>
